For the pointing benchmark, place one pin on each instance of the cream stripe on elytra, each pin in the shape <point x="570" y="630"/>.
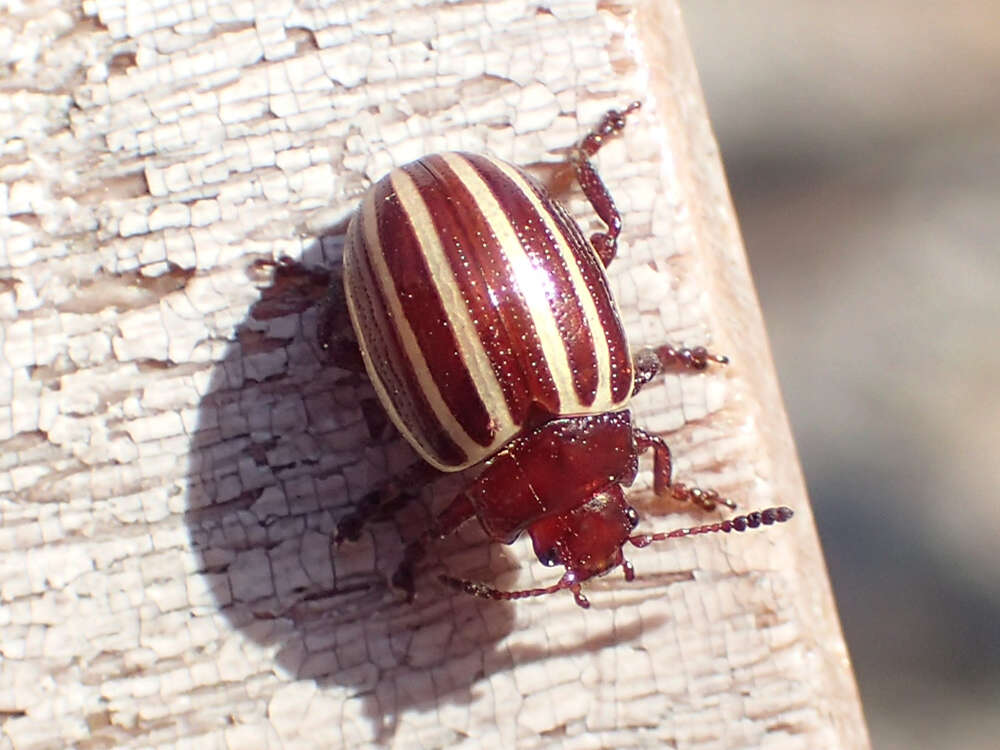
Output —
<point x="603" y="397"/>
<point x="411" y="348"/>
<point x="356" y="278"/>
<point x="528" y="280"/>
<point x="471" y="349"/>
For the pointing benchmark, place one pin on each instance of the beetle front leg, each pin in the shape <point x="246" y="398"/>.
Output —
<point x="447" y="522"/>
<point x="648" y="363"/>
<point x="605" y="243"/>
<point x="663" y="469"/>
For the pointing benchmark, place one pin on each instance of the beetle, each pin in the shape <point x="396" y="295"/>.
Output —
<point x="487" y="326"/>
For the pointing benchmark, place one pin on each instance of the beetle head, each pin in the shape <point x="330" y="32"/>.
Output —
<point x="587" y="540"/>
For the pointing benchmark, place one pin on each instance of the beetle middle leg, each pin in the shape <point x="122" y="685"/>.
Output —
<point x="663" y="484"/>
<point x="385" y="501"/>
<point x="605" y="243"/>
<point x="648" y="363"/>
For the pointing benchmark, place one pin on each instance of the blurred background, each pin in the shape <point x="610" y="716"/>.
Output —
<point x="862" y="145"/>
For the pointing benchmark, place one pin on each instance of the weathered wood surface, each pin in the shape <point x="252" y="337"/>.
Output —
<point x="175" y="453"/>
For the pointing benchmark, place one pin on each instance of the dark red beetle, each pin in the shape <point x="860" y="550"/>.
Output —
<point x="487" y="326"/>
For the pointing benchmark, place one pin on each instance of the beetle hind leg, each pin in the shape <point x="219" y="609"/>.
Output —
<point x="663" y="484"/>
<point x="605" y="243"/>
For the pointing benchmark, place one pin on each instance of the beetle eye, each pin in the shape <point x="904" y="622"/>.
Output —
<point x="632" y="516"/>
<point x="549" y="558"/>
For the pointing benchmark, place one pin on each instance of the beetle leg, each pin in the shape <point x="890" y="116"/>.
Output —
<point x="648" y="363"/>
<point x="286" y="287"/>
<point x="384" y="502"/>
<point x="458" y="512"/>
<point x="605" y="243"/>
<point x="662" y="470"/>
<point x="334" y="330"/>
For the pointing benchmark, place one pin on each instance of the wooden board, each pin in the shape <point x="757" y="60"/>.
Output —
<point x="176" y="450"/>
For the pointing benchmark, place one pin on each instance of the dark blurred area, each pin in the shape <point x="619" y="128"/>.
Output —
<point x="862" y="144"/>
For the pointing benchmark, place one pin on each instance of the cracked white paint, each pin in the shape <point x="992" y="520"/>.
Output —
<point x="172" y="466"/>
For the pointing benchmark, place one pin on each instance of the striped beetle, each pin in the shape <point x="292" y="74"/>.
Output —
<point x="488" y="329"/>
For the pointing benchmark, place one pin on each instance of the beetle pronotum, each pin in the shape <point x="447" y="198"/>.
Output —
<point x="487" y="326"/>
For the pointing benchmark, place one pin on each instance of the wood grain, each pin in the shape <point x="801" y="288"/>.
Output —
<point x="176" y="450"/>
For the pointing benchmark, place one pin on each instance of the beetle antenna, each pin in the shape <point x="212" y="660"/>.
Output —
<point x="764" y="517"/>
<point x="475" y="588"/>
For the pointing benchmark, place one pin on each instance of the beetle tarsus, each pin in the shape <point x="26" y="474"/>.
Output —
<point x="663" y="483"/>
<point x="650" y="362"/>
<point x="613" y="122"/>
<point x="629" y="571"/>
<point x="705" y="499"/>
<point x="578" y="595"/>
<point x="697" y="358"/>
